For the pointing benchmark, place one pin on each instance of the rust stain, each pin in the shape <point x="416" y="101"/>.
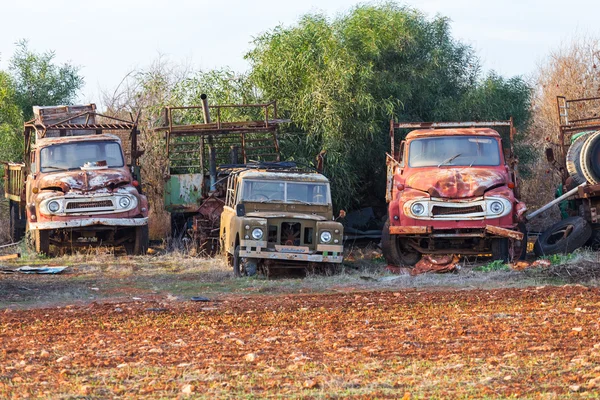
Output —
<point x="455" y="182"/>
<point x="452" y="132"/>
<point x="409" y="230"/>
<point x="435" y="263"/>
<point x="509" y="233"/>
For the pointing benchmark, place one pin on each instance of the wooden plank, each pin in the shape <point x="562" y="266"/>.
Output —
<point x="10" y="256"/>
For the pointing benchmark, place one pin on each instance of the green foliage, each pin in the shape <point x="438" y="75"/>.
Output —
<point x="496" y="265"/>
<point x="40" y="82"/>
<point x="560" y="259"/>
<point x="342" y="80"/>
<point x="35" y="80"/>
<point x="10" y="121"/>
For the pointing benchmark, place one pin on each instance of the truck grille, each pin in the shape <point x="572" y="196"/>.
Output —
<point x="290" y="233"/>
<point x="443" y="210"/>
<point x="89" y="205"/>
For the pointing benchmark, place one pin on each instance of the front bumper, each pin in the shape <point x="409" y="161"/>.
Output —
<point x="488" y="230"/>
<point x="85" y="222"/>
<point x="324" y="253"/>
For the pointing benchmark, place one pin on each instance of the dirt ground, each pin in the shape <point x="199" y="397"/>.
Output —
<point x="118" y="327"/>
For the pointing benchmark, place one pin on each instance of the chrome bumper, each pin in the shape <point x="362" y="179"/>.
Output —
<point x="83" y="222"/>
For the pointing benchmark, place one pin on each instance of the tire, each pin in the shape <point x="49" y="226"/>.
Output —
<point x="237" y="267"/>
<point x="517" y="249"/>
<point x="17" y="229"/>
<point x="500" y="249"/>
<point x="563" y="237"/>
<point x="573" y="159"/>
<point x="139" y="245"/>
<point x="395" y="251"/>
<point x="589" y="159"/>
<point x="41" y="240"/>
<point x="388" y="245"/>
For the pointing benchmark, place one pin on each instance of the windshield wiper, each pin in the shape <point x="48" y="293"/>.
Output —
<point x="448" y="160"/>
<point x="299" y="201"/>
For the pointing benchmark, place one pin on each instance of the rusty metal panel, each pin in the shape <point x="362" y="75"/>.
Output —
<point x="409" y="230"/>
<point x="461" y="124"/>
<point x="183" y="191"/>
<point x="509" y="233"/>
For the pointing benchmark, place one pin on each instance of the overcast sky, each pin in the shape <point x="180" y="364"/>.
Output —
<point x="109" y="38"/>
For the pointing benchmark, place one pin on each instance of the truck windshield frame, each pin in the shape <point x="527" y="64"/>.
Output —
<point x="73" y="155"/>
<point x="289" y="192"/>
<point x="454" y="151"/>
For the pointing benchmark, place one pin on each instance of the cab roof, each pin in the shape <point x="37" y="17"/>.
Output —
<point x="281" y="175"/>
<point x="419" y="133"/>
<point x="45" y="142"/>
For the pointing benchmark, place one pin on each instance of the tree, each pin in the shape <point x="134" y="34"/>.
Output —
<point x="40" y="82"/>
<point x="342" y="80"/>
<point x="10" y="121"/>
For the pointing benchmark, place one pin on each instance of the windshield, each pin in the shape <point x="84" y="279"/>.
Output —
<point x="286" y="192"/>
<point x="455" y="151"/>
<point x="75" y="155"/>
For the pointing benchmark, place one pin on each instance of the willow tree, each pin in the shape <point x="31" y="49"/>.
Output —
<point x="341" y="80"/>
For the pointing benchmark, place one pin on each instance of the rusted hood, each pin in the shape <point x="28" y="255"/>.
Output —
<point x="455" y="182"/>
<point x="83" y="180"/>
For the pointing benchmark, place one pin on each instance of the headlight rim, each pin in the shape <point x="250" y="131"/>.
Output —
<point x="500" y="211"/>
<point x="58" y="206"/>
<point x="325" y="232"/>
<point x="257" y="237"/>
<point x="418" y="204"/>
<point x="128" y="199"/>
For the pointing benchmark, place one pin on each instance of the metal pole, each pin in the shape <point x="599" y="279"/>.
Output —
<point x="553" y="202"/>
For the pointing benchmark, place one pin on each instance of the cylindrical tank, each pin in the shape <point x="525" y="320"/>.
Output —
<point x="583" y="158"/>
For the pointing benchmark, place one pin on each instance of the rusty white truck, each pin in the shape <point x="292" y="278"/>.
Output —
<point x="77" y="187"/>
<point x="452" y="189"/>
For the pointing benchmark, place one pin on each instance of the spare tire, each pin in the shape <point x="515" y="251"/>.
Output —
<point x="573" y="159"/>
<point x="563" y="237"/>
<point x="590" y="159"/>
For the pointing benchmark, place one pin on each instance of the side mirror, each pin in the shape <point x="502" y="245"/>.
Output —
<point x="240" y="210"/>
<point x="550" y="155"/>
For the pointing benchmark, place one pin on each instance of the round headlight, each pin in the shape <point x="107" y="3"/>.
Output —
<point x="325" y="236"/>
<point x="53" y="206"/>
<point x="247" y="227"/>
<point x="124" y="202"/>
<point x="418" y="209"/>
<point x="257" y="233"/>
<point x="496" y="207"/>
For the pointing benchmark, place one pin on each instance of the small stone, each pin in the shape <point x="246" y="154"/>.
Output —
<point x="85" y="390"/>
<point x="250" y="357"/>
<point x="61" y="359"/>
<point x="44" y="354"/>
<point x="122" y="365"/>
<point x="574" y="388"/>
<point x="187" y="389"/>
<point x="310" y="383"/>
<point x="119" y="310"/>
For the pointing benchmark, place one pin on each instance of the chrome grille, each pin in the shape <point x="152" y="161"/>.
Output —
<point x="89" y="204"/>
<point x="449" y="210"/>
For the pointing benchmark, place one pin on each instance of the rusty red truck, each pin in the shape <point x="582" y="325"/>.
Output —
<point x="452" y="189"/>
<point x="77" y="187"/>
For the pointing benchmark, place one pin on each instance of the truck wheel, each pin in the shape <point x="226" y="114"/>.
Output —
<point x="237" y="267"/>
<point x="500" y="249"/>
<point x="139" y="245"/>
<point x="41" y="239"/>
<point x="563" y="237"/>
<point x="518" y="248"/>
<point x="16" y="230"/>
<point x="389" y="247"/>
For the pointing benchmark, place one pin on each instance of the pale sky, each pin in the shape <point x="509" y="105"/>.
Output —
<point x="109" y="38"/>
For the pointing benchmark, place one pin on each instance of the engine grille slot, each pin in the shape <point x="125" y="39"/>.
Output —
<point x="290" y="233"/>
<point x="89" y="205"/>
<point x="449" y="210"/>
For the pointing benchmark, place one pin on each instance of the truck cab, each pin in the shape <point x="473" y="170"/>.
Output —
<point x="452" y="191"/>
<point x="77" y="187"/>
<point x="80" y="190"/>
<point x="282" y="217"/>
